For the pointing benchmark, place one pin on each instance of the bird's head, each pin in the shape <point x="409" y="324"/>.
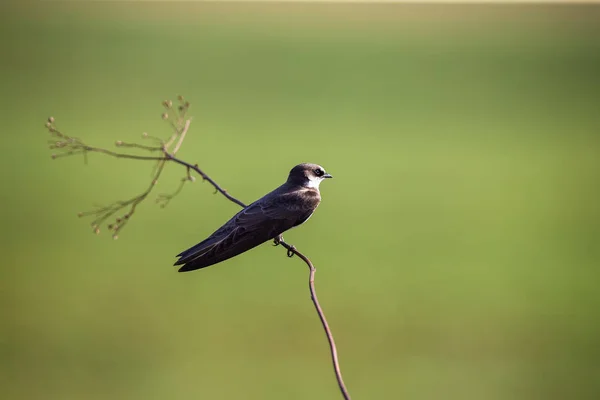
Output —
<point x="308" y="175"/>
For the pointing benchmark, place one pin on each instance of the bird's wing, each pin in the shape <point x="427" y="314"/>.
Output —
<point x="261" y="221"/>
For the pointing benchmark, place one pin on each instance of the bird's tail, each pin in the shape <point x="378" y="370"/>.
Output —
<point x="192" y="257"/>
<point x="219" y="248"/>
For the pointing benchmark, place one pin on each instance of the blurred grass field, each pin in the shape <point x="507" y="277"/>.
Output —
<point x="457" y="247"/>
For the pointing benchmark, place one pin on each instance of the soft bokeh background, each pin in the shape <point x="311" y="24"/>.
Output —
<point x="457" y="247"/>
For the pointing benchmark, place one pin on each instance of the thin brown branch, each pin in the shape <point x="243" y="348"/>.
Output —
<point x="207" y="178"/>
<point x="104" y="213"/>
<point x="138" y="146"/>
<point x="117" y="155"/>
<point x="164" y="199"/>
<point x="182" y="136"/>
<point x="313" y="295"/>
<point x="70" y="146"/>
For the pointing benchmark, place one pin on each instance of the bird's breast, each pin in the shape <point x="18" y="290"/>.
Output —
<point x="311" y="197"/>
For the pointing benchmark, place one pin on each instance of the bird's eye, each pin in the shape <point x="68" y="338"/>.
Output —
<point x="319" y="172"/>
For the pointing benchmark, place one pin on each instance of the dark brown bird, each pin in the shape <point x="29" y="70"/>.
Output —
<point x="288" y="206"/>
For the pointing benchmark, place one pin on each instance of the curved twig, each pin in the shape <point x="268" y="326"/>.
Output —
<point x="315" y="300"/>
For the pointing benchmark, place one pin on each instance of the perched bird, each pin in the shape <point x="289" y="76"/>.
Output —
<point x="288" y="206"/>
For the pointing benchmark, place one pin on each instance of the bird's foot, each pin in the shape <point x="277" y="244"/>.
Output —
<point x="278" y="240"/>
<point x="291" y="251"/>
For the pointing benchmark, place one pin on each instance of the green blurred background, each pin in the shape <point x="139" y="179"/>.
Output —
<point x="457" y="247"/>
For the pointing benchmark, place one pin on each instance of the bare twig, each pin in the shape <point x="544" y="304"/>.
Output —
<point x="71" y="146"/>
<point x="313" y="295"/>
<point x="68" y="146"/>
<point x="138" y="146"/>
<point x="182" y="136"/>
<point x="207" y="178"/>
<point x="103" y="213"/>
<point x="164" y="199"/>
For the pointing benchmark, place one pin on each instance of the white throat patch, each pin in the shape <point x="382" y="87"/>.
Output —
<point x="314" y="182"/>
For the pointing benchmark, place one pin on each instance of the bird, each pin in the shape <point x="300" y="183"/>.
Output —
<point x="286" y="207"/>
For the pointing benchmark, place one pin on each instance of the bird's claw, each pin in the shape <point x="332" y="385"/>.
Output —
<point x="291" y="251"/>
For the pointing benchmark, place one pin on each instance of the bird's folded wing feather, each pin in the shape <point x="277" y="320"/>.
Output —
<point x="257" y="223"/>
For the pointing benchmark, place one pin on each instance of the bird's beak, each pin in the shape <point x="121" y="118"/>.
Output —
<point x="327" y="176"/>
